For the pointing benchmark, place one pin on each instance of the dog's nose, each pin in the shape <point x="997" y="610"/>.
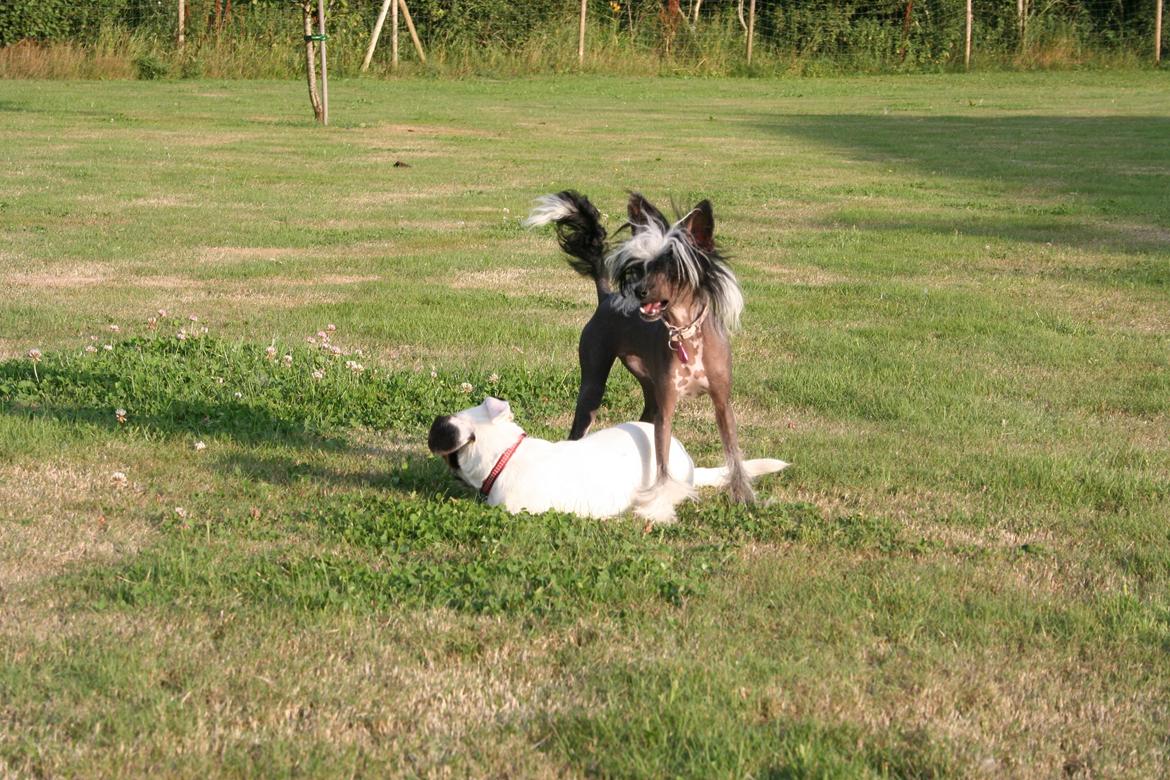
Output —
<point x="640" y="291"/>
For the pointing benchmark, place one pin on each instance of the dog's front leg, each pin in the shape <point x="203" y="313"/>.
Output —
<point x="656" y="503"/>
<point x="738" y="483"/>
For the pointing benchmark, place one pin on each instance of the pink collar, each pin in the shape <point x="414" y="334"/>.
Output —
<point x="486" y="487"/>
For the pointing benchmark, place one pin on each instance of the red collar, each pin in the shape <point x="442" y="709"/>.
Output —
<point x="503" y="461"/>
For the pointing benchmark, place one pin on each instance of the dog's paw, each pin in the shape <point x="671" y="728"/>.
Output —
<point x="742" y="493"/>
<point x="740" y="486"/>
<point x="656" y="503"/>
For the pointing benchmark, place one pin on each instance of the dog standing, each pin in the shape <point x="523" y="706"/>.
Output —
<point x="668" y="321"/>
<point x="597" y="476"/>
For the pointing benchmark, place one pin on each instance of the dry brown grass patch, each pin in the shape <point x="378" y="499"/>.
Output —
<point x="422" y="686"/>
<point x="60" y="276"/>
<point x="57" y="514"/>
<point x="1016" y="715"/>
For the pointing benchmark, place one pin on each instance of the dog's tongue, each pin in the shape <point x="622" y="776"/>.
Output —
<point x="652" y="308"/>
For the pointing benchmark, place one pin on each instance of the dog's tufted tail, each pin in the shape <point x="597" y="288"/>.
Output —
<point x="579" y="232"/>
<point x="717" y="477"/>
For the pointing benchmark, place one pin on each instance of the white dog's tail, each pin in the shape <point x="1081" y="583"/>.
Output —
<point x="717" y="477"/>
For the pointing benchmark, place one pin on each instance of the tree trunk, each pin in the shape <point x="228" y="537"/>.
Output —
<point x="311" y="60"/>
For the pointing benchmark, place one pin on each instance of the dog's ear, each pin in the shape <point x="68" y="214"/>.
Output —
<point x="497" y="409"/>
<point x="642" y="213"/>
<point x="700" y="223"/>
<point x="448" y="434"/>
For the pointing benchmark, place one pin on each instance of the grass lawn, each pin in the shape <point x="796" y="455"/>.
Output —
<point x="957" y="330"/>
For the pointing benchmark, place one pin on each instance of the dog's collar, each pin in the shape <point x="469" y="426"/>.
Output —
<point x="486" y="487"/>
<point x="675" y="335"/>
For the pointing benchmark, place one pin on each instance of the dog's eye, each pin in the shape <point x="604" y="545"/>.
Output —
<point x="632" y="274"/>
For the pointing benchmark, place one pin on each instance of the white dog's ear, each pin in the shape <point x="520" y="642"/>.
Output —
<point x="498" y="411"/>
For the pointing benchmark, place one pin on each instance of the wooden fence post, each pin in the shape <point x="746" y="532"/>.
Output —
<point x="394" y="37"/>
<point x="376" y="34"/>
<point x="324" y="70"/>
<point x="182" y="22"/>
<point x="413" y="33"/>
<point x="581" y="34"/>
<point x="967" y="48"/>
<point x="311" y="58"/>
<point x="1158" y="34"/>
<point x="1020" y="22"/>
<point x="751" y="30"/>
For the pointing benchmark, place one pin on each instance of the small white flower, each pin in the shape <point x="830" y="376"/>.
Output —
<point x="203" y="331"/>
<point x="181" y="335"/>
<point x="90" y="349"/>
<point x="354" y="366"/>
<point x="331" y="327"/>
<point x="466" y="387"/>
<point x="336" y="350"/>
<point x="219" y="380"/>
<point x="311" y="340"/>
<point x="152" y="322"/>
<point x="322" y="335"/>
<point x="270" y="352"/>
<point x="118" y="478"/>
<point x="35" y="355"/>
<point x="237" y="394"/>
<point x="108" y="347"/>
<point x="434" y="374"/>
<point x="287" y="360"/>
<point x="120" y="415"/>
<point x="115" y="329"/>
<point x="181" y="513"/>
<point x="200" y="446"/>
<point x="163" y="313"/>
<point x="193" y="318"/>
<point x="494" y="378"/>
<point x="318" y="374"/>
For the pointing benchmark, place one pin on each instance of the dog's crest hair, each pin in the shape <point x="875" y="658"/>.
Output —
<point x="699" y="269"/>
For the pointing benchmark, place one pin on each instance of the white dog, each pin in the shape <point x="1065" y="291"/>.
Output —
<point x="597" y="476"/>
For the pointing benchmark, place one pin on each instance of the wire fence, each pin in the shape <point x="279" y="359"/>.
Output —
<point x="264" y="37"/>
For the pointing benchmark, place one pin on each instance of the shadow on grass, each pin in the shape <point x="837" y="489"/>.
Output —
<point x="1115" y="168"/>
<point x="240" y="421"/>
<point x="403" y="472"/>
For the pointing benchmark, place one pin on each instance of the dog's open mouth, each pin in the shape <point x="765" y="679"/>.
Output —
<point x="652" y="310"/>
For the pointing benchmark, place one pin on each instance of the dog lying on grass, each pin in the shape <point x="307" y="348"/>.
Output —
<point x="599" y="475"/>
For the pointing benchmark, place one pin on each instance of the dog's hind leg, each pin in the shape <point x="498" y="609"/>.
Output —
<point x="738" y="482"/>
<point x="596" y="363"/>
